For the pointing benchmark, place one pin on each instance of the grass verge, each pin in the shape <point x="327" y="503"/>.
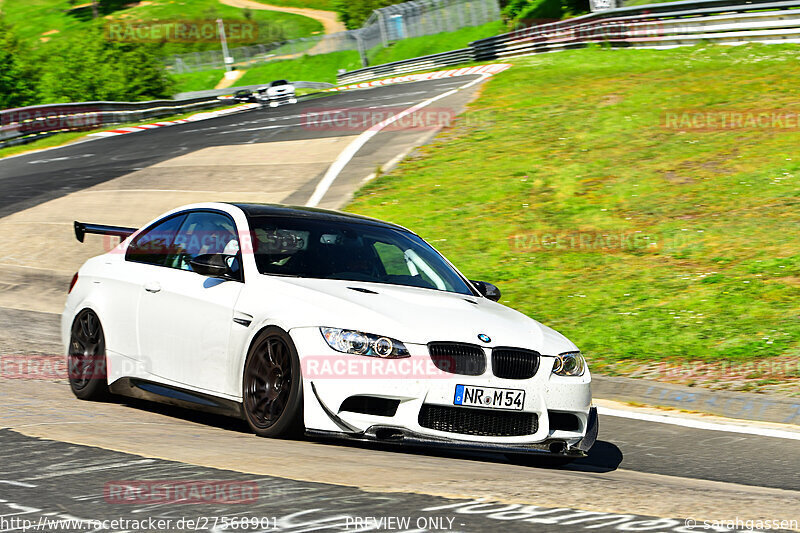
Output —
<point x="434" y="44"/>
<point x="198" y="81"/>
<point x="321" y="67"/>
<point x="41" y="20"/>
<point x="640" y="241"/>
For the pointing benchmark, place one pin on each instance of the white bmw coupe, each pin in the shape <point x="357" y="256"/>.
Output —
<point x="300" y="319"/>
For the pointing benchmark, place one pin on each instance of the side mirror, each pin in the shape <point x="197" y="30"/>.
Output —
<point x="487" y="289"/>
<point x="216" y="266"/>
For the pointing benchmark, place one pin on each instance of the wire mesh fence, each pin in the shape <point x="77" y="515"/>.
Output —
<point x="385" y="26"/>
<point x="425" y="17"/>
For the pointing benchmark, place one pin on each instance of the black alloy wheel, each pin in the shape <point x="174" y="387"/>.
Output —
<point x="272" y="385"/>
<point x="86" y="362"/>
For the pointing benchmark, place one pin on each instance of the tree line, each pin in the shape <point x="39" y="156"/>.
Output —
<point x="82" y="67"/>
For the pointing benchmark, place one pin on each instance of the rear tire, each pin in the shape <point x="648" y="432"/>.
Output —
<point x="272" y="385"/>
<point x="86" y="362"/>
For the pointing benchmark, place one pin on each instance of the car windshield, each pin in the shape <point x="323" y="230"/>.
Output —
<point x="327" y="249"/>
<point x="276" y="83"/>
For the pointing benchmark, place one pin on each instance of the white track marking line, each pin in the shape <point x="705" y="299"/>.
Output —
<point x="16" y="483"/>
<point x="699" y="424"/>
<point x="350" y="151"/>
<point x="90" y="469"/>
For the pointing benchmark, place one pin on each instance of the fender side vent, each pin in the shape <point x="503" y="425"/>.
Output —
<point x="362" y="289"/>
<point x="370" y="405"/>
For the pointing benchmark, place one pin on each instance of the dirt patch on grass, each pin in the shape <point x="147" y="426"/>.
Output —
<point x="679" y="179"/>
<point x="610" y="99"/>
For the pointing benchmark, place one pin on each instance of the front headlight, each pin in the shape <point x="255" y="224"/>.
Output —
<point x="569" y="364"/>
<point x="356" y="342"/>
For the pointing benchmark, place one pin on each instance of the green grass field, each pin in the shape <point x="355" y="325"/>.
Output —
<point x="434" y="44"/>
<point x="321" y="67"/>
<point x="641" y="241"/>
<point x="198" y="81"/>
<point x="34" y="20"/>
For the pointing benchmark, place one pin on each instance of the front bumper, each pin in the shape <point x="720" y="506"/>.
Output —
<point x="545" y="394"/>
<point x="399" y="436"/>
<point x="278" y="100"/>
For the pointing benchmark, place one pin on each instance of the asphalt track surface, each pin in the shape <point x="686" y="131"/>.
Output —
<point x="51" y="479"/>
<point x="37" y="473"/>
<point x="37" y="177"/>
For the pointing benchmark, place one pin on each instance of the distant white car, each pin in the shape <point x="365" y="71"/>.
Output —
<point x="340" y="325"/>
<point x="278" y="92"/>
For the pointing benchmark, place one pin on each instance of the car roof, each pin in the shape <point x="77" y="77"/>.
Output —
<point x="313" y="213"/>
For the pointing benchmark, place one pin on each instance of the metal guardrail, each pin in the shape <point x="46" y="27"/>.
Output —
<point x="434" y="61"/>
<point x="26" y="124"/>
<point x="655" y="25"/>
<point x="664" y="25"/>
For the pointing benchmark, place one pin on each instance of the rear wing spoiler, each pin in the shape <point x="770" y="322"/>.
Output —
<point x="82" y="228"/>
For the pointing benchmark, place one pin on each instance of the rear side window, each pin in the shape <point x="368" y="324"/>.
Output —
<point x="152" y="245"/>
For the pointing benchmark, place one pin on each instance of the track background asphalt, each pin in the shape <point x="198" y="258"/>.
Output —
<point x="36" y="177"/>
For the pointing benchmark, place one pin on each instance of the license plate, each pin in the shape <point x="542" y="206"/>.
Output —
<point x="512" y="399"/>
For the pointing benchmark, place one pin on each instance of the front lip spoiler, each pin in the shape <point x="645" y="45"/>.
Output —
<point x="400" y="436"/>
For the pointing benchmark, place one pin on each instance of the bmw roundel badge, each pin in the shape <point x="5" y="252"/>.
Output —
<point x="484" y="337"/>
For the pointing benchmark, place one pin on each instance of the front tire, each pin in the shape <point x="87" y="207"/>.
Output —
<point x="272" y="385"/>
<point x="86" y="362"/>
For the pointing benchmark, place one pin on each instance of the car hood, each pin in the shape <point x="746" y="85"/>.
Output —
<point x="411" y="314"/>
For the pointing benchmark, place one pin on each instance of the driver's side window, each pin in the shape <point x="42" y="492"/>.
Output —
<point x="153" y="244"/>
<point x="203" y="232"/>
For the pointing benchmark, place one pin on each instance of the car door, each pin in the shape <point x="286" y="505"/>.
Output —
<point x="143" y="260"/>
<point x="184" y="317"/>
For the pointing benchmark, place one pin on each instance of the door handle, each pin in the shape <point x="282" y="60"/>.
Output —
<point x="152" y="286"/>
